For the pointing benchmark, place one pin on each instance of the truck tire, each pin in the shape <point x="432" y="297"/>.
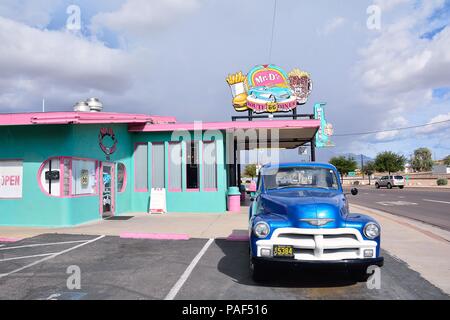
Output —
<point x="389" y="186"/>
<point x="377" y="186"/>
<point x="257" y="271"/>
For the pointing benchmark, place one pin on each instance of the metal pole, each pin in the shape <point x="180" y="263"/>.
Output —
<point x="313" y="151"/>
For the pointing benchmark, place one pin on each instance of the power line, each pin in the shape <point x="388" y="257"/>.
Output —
<point x="273" y="30"/>
<point x="389" y="130"/>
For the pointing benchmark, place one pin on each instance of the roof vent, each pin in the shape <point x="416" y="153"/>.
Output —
<point x="81" y="106"/>
<point x="94" y="105"/>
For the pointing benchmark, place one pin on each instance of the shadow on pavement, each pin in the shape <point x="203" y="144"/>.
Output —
<point x="235" y="264"/>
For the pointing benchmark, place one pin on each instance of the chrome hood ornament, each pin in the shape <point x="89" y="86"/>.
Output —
<point x="317" y="222"/>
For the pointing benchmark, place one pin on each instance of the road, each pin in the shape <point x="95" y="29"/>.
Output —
<point x="115" y="268"/>
<point x="429" y="205"/>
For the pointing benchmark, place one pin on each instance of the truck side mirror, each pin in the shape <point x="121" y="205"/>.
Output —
<point x="354" y="191"/>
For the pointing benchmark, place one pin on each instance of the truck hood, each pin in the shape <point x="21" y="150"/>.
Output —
<point x="296" y="205"/>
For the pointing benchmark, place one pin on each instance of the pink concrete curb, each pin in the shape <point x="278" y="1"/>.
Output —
<point x="9" y="240"/>
<point x="154" y="236"/>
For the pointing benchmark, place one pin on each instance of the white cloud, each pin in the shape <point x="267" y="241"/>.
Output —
<point x="332" y="26"/>
<point x="36" y="62"/>
<point x="140" y="17"/>
<point x="444" y="125"/>
<point x="33" y="13"/>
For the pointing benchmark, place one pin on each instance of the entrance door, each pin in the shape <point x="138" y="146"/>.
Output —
<point x="107" y="204"/>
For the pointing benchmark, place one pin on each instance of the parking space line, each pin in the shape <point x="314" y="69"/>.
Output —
<point x="41" y="244"/>
<point x="50" y="257"/>
<point x="179" y="284"/>
<point x="437" y="201"/>
<point x="27" y="257"/>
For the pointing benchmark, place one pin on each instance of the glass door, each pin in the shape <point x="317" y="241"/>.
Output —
<point x="107" y="190"/>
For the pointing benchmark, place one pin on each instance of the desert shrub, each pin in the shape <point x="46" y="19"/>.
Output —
<point x="442" y="182"/>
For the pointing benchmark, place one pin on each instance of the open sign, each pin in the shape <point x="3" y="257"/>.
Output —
<point x="11" y="179"/>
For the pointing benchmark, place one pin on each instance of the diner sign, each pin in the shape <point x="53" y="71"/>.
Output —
<point x="268" y="88"/>
<point x="326" y="129"/>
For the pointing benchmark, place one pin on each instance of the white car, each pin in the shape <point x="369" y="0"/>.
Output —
<point x="390" y="182"/>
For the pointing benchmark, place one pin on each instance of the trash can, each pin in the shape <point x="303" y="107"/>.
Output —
<point x="234" y="199"/>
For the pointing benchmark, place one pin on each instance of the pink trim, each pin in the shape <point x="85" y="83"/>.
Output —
<point x="125" y="178"/>
<point x="135" y="147"/>
<point x="154" y="236"/>
<point x="229" y="125"/>
<point x="80" y="118"/>
<point x="168" y="168"/>
<point x="153" y="161"/>
<point x="203" y="166"/>
<point x="113" y="188"/>
<point x="9" y="239"/>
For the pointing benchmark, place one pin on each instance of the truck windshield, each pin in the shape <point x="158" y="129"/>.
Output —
<point x="300" y="177"/>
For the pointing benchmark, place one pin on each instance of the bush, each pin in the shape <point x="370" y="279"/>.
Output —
<point x="356" y="183"/>
<point x="442" y="182"/>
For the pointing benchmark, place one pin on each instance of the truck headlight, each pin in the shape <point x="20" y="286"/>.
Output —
<point x="261" y="229"/>
<point x="371" y="230"/>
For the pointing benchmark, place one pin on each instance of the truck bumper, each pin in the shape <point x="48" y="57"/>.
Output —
<point x="349" y="264"/>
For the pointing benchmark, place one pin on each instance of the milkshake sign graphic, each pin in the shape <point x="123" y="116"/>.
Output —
<point x="269" y="89"/>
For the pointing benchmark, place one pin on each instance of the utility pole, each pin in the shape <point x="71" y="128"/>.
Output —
<point x="362" y="166"/>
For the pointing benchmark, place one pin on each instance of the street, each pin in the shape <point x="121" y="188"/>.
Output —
<point x="429" y="205"/>
<point x="114" y="268"/>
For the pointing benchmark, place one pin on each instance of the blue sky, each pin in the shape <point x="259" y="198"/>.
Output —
<point x="171" y="58"/>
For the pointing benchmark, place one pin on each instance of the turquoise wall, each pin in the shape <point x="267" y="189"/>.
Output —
<point x="185" y="201"/>
<point x="35" y="144"/>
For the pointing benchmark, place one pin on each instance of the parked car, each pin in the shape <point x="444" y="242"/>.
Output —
<point x="300" y="216"/>
<point x="390" y="182"/>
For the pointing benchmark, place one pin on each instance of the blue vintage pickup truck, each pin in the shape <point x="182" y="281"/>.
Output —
<point x="300" y="216"/>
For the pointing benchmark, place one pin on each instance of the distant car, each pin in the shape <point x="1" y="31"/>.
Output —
<point x="300" y="216"/>
<point x="390" y="182"/>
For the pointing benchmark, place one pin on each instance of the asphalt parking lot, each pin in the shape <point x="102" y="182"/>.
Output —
<point x="117" y="268"/>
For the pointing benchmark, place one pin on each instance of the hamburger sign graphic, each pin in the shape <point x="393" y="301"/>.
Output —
<point x="268" y="88"/>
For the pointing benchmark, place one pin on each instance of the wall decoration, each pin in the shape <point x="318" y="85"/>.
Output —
<point x="325" y="130"/>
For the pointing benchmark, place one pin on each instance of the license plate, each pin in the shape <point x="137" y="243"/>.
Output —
<point x="283" y="251"/>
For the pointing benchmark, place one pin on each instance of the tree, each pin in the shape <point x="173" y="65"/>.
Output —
<point x="369" y="169"/>
<point x="250" y="170"/>
<point x="447" y="160"/>
<point x="344" y="165"/>
<point x="389" y="161"/>
<point x="422" y="160"/>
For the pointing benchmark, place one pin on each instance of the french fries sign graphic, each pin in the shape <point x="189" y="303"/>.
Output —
<point x="268" y="89"/>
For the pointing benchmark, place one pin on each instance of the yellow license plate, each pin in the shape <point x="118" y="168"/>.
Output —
<point x="283" y="251"/>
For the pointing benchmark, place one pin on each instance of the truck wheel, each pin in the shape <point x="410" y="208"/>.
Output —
<point x="401" y="187"/>
<point x="257" y="271"/>
<point x="389" y="186"/>
<point x="377" y="186"/>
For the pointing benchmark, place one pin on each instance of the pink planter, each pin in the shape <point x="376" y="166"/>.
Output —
<point x="234" y="203"/>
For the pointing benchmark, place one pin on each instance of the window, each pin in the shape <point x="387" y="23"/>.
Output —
<point x="141" y="167"/>
<point x="209" y="166"/>
<point x="84" y="178"/>
<point x="50" y="177"/>
<point x="11" y="179"/>
<point x="300" y="177"/>
<point x="192" y="170"/>
<point x="66" y="177"/>
<point x="121" y="177"/>
<point x="158" y="166"/>
<point x="175" y="167"/>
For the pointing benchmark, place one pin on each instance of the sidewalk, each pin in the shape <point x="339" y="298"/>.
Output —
<point x="425" y="248"/>
<point x="194" y="225"/>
